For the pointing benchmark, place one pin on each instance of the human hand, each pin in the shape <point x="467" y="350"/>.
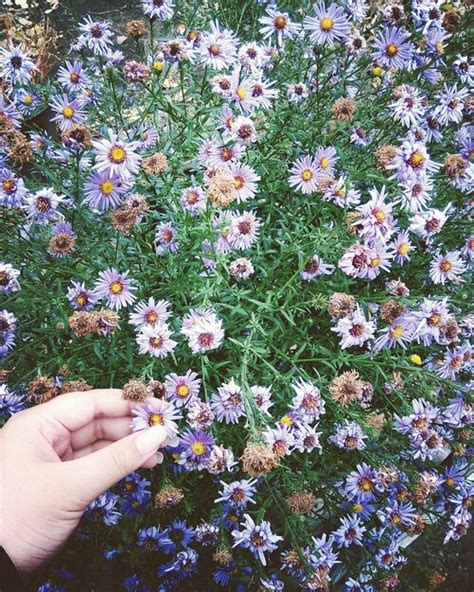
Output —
<point x="55" y="459"/>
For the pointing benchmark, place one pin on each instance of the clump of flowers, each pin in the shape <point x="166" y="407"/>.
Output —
<point x="255" y="223"/>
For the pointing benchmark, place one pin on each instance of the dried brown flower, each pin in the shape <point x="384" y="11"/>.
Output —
<point x="155" y="164"/>
<point x="326" y="183"/>
<point x="344" y="109"/>
<point x="77" y="136"/>
<point x="157" y="389"/>
<point x="75" y="386"/>
<point x="62" y="244"/>
<point x="222" y="556"/>
<point x="436" y="580"/>
<point x="340" y="305"/>
<point x="385" y="155"/>
<point x="451" y="21"/>
<point x="347" y="388"/>
<point x="123" y="218"/>
<point x="455" y="165"/>
<point x="301" y="502"/>
<point x="221" y="190"/>
<point x="106" y="320"/>
<point x="21" y="151"/>
<point x="83" y="323"/>
<point x="42" y="389"/>
<point x="258" y="460"/>
<point x="351" y="218"/>
<point x="136" y="28"/>
<point x="136" y="391"/>
<point x="136" y="203"/>
<point x="417" y="527"/>
<point x="175" y="50"/>
<point x="391" y="310"/>
<point x="168" y="497"/>
<point x="450" y="330"/>
<point x="376" y="421"/>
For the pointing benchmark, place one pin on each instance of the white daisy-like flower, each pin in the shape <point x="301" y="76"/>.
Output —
<point x="156" y="340"/>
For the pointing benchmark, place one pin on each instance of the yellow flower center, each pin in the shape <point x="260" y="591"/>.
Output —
<point x="403" y="249"/>
<point x="158" y="66"/>
<point x="326" y="23"/>
<point x="391" y="50"/>
<point x="68" y="112"/>
<point x="27" y="99"/>
<point x="241" y="93"/>
<point x="156" y="342"/>
<point x="280" y="22"/>
<point x="107" y="187"/>
<point x="81" y="299"/>
<point x="198" y="448"/>
<point x="183" y="391"/>
<point x="151" y="317"/>
<point x="286" y="420"/>
<point x="377" y="71"/>
<point x="416" y="159"/>
<point x="117" y="154"/>
<point x="214" y="50"/>
<point x="357" y="508"/>
<point x="446" y="266"/>
<point x="398" y="332"/>
<point x="306" y="175"/>
<point x="379" y="215"/>
<point x="116" y="287"/>
<point x="324" y="162"/>
<point x="156" y="419"/>
<point x="449" y="481"/>
<point x="415" y="359"/>
<point x="374" y="262"/>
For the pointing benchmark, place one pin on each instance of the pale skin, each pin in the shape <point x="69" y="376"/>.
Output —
<point x="55" y="459"/>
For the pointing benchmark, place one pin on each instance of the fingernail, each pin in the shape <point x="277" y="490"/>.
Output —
<point x="159" y="457"/>
<point x="174" y="442"/>
<point x="149" y="440"/>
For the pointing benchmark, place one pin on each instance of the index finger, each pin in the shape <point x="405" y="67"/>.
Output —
<point x="74" y="410"/>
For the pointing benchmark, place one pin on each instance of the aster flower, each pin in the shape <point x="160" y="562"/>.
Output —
<point x="16" y="64"/>
<point x="354" y="329"/>
<point x="450" y="105"/>
<point x="103" y="509"/>
<point x="181" y="390"/>
<point x="279" y="24"/>
<point x="399" y="333"/>
<point x="392" y="50"/>
<point x="348" y="436"/>
<point x="262" y="92"/>
<point x="280" y="439"/>
<point x="95" y="35"/>
<point x="148" y="314"/>
<point x="156" y="412"/>
<point x="155" y="340"/>
<point x="398" y="514"/>
<point x="304" y="175"/>
<point x="241" y="268"/>
<point x="402" y="247"/>
<point x="203" y="330"/>
<point x="428" y="320"/>
<point x="448" y="267"/>
<point x="11" y="402"/>
<point x="193" y="200"/>
<point x="258" y="538"/>
<point x="325" y="160"/>
<point x="27" y="102"/>
<point x="238" y="494"/>
<point x="350" y="532"/>
<point x="199" y="414"/>
<point x="81" y="298"/>
<point x="360" y="484"/>
<point x="429" y="223"/>
<point x="12" y="189"/>
<point x="8" y="278"/>
<point x="228" y="402"/>
<point x="221" y="460"/>
<point x="116" y="288"/>
<point x="246" y="181"/>
<point x="153" y="539"/>
<point x="116" y="157"/>
<point x="42" y="206"/>
<point x="72" y="76"/>
<point x="243" y="231"/>
<point x="159" y="9"/>
<point x="376" y="221"/>
<point x="328" y="26"/>
<point x="262" y="395"/>
<point x="306" y="439"/>
<point x="307" y="400"/>
<point x="412" y="161"/>
<point x="217" y="48"/>
<point x="104" y="190"/>
<point x="243" y="131"/>
<point x="165" y="239"/>
<point x="196" y="448"/>
<point x="63" y="240"/>
<point x="315" y="268"/>
<point x="297" y="93"/>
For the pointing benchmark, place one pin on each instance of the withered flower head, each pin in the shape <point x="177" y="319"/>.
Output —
<point x="136" y="28"/>
<point x="62" y="244"/>
<point x="123" y="218"/>
<point x="136" y="391"/>
<point x="326" y="183"/>
<point x="436" y="580"/>
<point x="455" y="165"/>
<point x="347" y="388"/>
<point x="385" y="155"/>
<point x="155" y="164"/>
<point x="221" y="190"/>
<point x="391" y="310"/>
<point x="451" y="21"/>
<point x="42" y="389"/>
<point x="77" y="136"/>
<point x="376" y="421"/>
<point x="340" y="305"/>
<point x="75" y="386"/>
<point x="106" y="320"/>
<point x="258" y="460"/>
<point x="157" y="389"/>
<point x="136" y="203"/>
<point x="21" y="151"/>
<point x="344" y="109"/>
<point x="175" y="50"/>
<point x="353" y="229"/>
<point x="301" y="502"/>
<point x="168" y="497"/>
<point x="223" y="556"/>
<point x="83" y="323"/>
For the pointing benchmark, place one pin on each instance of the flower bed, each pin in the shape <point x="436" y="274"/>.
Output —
<point x="260" y="218"/>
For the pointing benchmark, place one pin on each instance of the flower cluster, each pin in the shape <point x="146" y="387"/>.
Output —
<point x="256" y="222"/>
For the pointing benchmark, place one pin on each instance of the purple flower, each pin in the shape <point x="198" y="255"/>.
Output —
<point x="258" y="538"/>
<point x="148" y="314"/>
<point x="197" y="446"/>
<point x="116" y="288"/>
<point x="392" y="50"/>
<point x="350" y="532"/>
<point x="153" y="538"/>
<point x="116" y="157"/>
<point x="360" y="484"/>
<point x="95" y="35"/>
<point x="104" y="190"/>
<point x="238" y="494"/>
<point x="102" y="509"/>
<point x="398" y="514"/>
<point x="155" y="340"/>
<point x="328" y="25"/>
<point x="68" y="112"/>
<point x="10" y="402"/>
<point x="348" y="436"/>
<point x="72" y="76"/>
<point x="12" y="189"/>
<point x="159" y="9"/>
<point x="42" y="205"/>
<point x="182" y="389"/>
<point x="165" y="239"/>
<point x="80" y="297"/>
<point x="156" y="412"/>
<point x="16" y="64"/>
<point x="228" y="402"/>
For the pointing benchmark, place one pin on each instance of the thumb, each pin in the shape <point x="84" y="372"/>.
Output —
<point x="91" y="475"/>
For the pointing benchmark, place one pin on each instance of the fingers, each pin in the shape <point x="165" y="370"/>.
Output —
<point x="89" y="476"/>
<point x="101" y="428"/>
<point x="75" y="410"/>
<point x="99" y="444"/>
